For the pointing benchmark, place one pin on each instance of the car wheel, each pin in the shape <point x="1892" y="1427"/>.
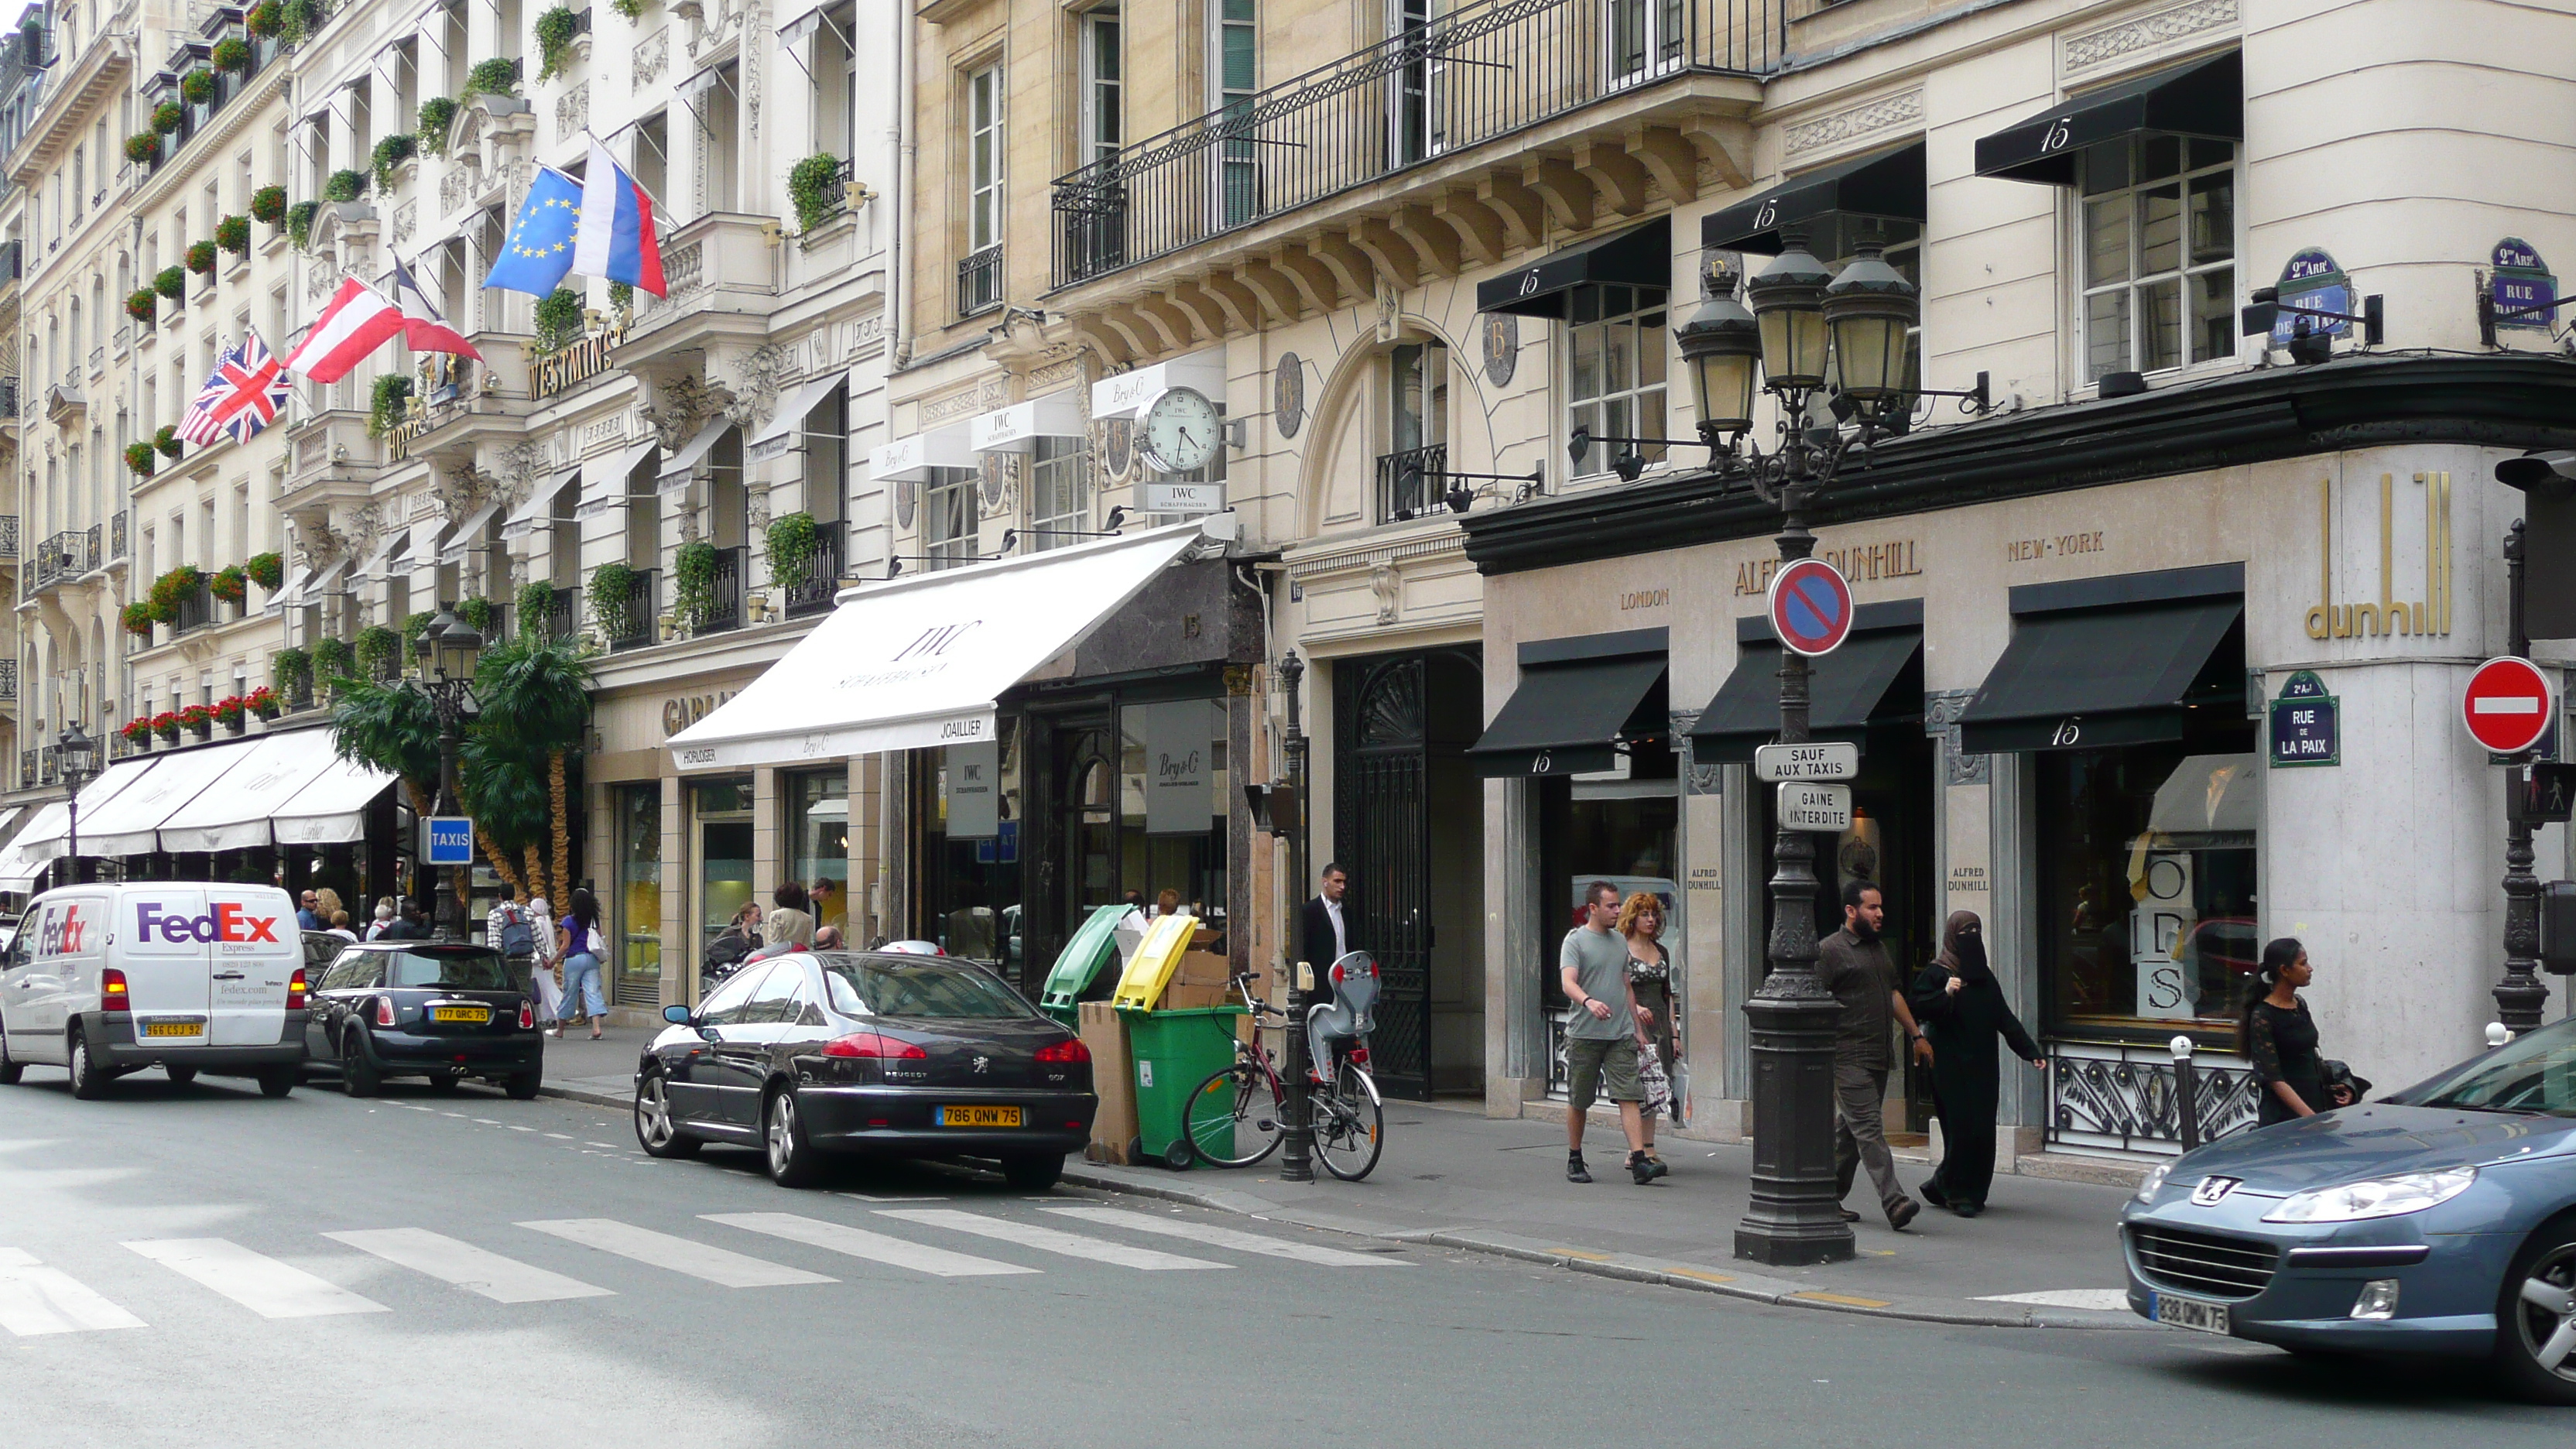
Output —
<point x="2535" y="1347"/>
<point x="181" y="1075"/>
<point x="88" y="1082"/>
<point x="1033" y="1171"/>
<point x="522" y="1086"/>
<point x="782" y="1132"/>
<point x="444" y="1082"/>
<point x="12" y="1072"/>
<point x="656" y="1130"/>
<point x="358" y="1074"/>
<point x="274" y="1081"/>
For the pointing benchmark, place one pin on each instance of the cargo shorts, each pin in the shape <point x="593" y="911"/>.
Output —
<point x="1601" y="1067"/>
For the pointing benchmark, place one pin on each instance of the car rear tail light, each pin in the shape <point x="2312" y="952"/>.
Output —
<point x="1070" y="1050"/>
<point x="527" y="1016"/>
<point x="384" y="1011"/>
<point x="295" y="990"/>
<point x="112" y="995"/>
<point x="871" y="1045"/>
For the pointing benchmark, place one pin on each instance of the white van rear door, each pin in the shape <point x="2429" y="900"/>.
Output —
<point x="256" y="952"/>
<point x="154" y="942"/>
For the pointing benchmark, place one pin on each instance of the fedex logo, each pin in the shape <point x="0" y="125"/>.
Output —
<point x="226" y="922"/>
<point x="61" y="933"/>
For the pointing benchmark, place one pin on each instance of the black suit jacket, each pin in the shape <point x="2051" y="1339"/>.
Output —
<point x="1317" y="940"/>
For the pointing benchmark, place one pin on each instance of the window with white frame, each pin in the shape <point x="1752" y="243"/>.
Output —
<point x="2157" y="225"/>
<point x="949" y="523"/>
<point x="984" y="159"/>
<point x="1233" y="69"/>
<point x="1614" y="369"/>
<point x="1059" y="493"/>
<point x="1104" y="109"/>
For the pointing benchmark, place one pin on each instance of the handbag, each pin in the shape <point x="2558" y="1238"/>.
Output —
<point x="1650" y="1076"/>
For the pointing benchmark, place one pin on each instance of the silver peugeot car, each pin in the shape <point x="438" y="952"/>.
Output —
<point x="2439" y="1221"/>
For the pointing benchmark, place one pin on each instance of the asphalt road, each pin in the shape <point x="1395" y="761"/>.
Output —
<point x="200" y="1266"/>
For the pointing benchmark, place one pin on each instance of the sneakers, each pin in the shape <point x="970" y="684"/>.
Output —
<point x="1574" y="1168"/>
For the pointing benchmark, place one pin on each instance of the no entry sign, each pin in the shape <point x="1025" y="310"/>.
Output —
<point x="1811" y="607"/>
<point x="2508" y="704"/>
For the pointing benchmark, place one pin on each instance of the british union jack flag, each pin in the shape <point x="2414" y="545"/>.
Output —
<point x="245" y="393"/>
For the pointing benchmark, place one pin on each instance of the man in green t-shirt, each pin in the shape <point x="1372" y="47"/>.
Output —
<point x="1602" y="1037"/>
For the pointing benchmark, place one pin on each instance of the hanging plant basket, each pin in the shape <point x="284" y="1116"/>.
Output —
<point x="299" y="223"/>
<point x="265" y="19"/>
<point x="233" y="234"/>
<point x="139" y="456"/>
<point x="345" y="186"/>
<point x="232" y="585"/>
<point x="167" y="116"/>
<point x="267" y="570"/>
<point x="138" y="621"/>
<point x="168" y="441"/>
<point x="268" y="204"/>
<point x="437" y="115"/>
<point x="201" y="258"/>
<point x="197" y="87"/>
<point x="143" y="149"/>
<point x="233" y="53"/>
<point x="172" y="283"/>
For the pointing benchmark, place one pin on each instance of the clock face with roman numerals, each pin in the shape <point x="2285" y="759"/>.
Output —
<point x="1178" y="430"/>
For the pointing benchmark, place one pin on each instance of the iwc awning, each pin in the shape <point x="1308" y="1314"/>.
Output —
<point x="921" y="661"/>
<point x="1577" y="702"/>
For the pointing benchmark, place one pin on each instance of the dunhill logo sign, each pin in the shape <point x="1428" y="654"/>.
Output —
<point x="2387" y="615"/>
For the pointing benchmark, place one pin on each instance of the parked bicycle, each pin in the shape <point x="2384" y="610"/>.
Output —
<point x="1238" y="1116"/>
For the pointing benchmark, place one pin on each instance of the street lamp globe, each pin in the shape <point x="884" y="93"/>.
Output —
<point x="1871" y="310"/>
<point x="450" y="647"/>
<point x="1788" y="301"/>
<point x="75" y="755"/>
<point x="1721" y="346"/>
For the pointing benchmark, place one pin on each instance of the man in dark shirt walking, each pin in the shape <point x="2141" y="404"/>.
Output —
<point x="1852" y="964"/>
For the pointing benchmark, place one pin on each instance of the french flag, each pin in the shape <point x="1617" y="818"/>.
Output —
<point x="358" y="321"/>
<point x="423" y="328"/>
<point x="616" y="238"/>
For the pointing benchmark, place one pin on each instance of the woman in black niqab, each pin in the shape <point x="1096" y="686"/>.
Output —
<point x="1964" y="1013"/>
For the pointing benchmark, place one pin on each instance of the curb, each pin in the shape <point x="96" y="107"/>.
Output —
<point x="1626" y="1267"/>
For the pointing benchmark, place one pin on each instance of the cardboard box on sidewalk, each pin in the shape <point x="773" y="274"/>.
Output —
<point x="1183" y="996"/>
<point x="1202" y="968"/>
<point x="1113" y="1077"/>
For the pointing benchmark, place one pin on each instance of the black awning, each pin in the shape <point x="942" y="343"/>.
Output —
<point x="1568" y="718"/>
<point x="1641" y="256"/>
<point x="2203" y="98"/>
<point x="1887" y="185"/>
<point x="2109" y="676"/>
<point x="1864" y="683"/>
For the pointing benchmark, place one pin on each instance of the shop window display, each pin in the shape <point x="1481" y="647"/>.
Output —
<point x="637" y="977"/>
<point x="976" y="803"/>
<point x="1171" y="807"/>
<point x="818" y="842"/>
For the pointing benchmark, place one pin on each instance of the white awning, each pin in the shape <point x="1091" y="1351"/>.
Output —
<point x="426" y="531"/>
<point x="920" y="661"/>
<point x="292" y="594"/>
<point x="1017" y="428"/>
<point x="612" y="487"/>
<point x="1123" y="395"/>
<point x="332" y="810"/>
<point x="39" y="843"/>
<point x="781" y="432"/>
<point x="380" y="565"/>
<point x="233" y="812"/>
<point x="325" y="584"/>
<point x="130" y="823"/>
<point x="677" y="468"/>
<point x="43" y="837"/>
<point x="468" y="535"/>
<point x="909" y="460"/>
<point x="803" y="23"/>
<point x="538" y="511"/>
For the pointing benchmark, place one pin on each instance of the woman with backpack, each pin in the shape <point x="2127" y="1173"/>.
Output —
<point x="578" y="944"/>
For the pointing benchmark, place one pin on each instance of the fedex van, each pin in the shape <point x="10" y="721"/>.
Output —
<point x="187" y="976"/>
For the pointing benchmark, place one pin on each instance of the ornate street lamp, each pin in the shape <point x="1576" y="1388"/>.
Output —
<point x="75" y="760"/>
<point x="448" y="651"/>
<point x="1871" y="310"/>
<point x="1297" y="1160"/>
<point x="1721" y="348"/>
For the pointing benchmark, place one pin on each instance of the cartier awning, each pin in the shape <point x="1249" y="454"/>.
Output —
<point x="1641" y="256"/>
<point x="921" y="661"/>
<point x="1876" y="678"/>
<point x="2128" y="659"/>
<point x="1578" y="701"/>
<point x="2203" y="98"/>
<point x="235" y="812"/>
<point x="1885" y="186"/>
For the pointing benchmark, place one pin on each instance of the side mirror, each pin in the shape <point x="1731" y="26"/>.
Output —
<point x="676" y="1015"/>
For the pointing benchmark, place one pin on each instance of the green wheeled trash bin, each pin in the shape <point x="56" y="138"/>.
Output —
<point x="1078" y="967"/>
<point x="1173" y="1052"/>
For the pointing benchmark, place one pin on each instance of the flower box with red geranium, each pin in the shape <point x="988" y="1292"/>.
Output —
<point x="137" y="731"/>
<point x="264" y="702"/>
<point x="198" y="719"/>
<point x="166" y="725"/>
<point x="230" y="713"/>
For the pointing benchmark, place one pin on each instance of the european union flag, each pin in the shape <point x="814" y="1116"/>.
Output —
<point x="539" y="249"/>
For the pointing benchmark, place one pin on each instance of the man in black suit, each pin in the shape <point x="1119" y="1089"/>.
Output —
<point x="1328" y="933"/>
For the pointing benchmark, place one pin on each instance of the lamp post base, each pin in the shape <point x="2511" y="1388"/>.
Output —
<point x="1796" y="1217"/>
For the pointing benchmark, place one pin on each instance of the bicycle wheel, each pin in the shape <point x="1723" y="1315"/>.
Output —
<point x="1233" y="1118"/>
<point x="1350" y="1124"/>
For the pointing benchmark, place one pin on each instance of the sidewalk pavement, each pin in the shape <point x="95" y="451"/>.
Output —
<point x="2045" y="1254"/>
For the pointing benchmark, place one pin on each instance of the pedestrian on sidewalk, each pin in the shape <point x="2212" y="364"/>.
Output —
<point x="545" y="969"/>
<point x="1650" y="984"/>
<point x="340" y="928"/>
<point x="1852" y="964"/>
<point x="1604" y="1034"/>
<point x="384" y="918"/>
<point x="414" y="926"/>
<point x="308" y="916"/>
<point x="1964" y="1014"/>
<point x="577" y="938"/>
<point x="2290" y="1075"/>
<point x="511" y="929"/>
<point x="789" y="926"/>
<point x="1328" y="936"/>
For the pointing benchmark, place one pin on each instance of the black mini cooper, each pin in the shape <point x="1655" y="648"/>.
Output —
<point x="435" y="1009"/>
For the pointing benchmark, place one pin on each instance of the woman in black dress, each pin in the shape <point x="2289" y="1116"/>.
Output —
<point x="1964" y="1013"/>
<point x="2280" y="1039"/>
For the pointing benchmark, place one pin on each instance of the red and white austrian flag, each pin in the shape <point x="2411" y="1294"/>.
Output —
<point x="358" y="321"/>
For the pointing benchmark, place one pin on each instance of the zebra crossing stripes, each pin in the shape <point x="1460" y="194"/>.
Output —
<point x="715" y="1265"/>
<point x="36" y="1299"/>
<point x="503" y="1280"/>
<point x="257" y="1282"/>
<point x="1049" y="1240"/>
<point x="1216" y="1236"/>
<point x="860" y="1243"/>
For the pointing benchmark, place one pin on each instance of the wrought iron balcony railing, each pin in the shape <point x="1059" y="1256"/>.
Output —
<point x="822" y="573"/>
<point x="8" y="537"/>
<point x="979" y="282"/>
<point x="1409" y="482"/>
<point x="724" y="607"/>
<point x="196" y="611"/>
<point x="559" y="612"/>
<point x="1479" y="73"/>
<point x="66" y="555"/>
<point x="635" y="629"/>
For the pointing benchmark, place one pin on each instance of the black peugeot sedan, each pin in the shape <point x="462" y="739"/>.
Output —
<point x="441" y="1010"/>
<point x="873" y="1053"/>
